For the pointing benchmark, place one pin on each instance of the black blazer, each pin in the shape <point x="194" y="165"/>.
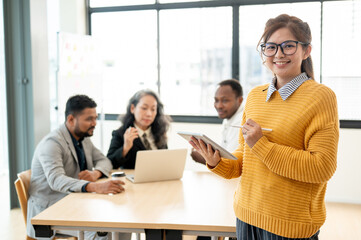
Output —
<point x="115" y="151"/>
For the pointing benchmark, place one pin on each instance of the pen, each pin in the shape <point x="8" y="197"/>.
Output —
<point x="264" y="129"/>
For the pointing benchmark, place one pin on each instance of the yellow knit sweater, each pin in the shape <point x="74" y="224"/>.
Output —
<point x="284" y="175"/>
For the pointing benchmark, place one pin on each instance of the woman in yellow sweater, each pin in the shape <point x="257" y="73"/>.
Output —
<point x="284" y="171"/>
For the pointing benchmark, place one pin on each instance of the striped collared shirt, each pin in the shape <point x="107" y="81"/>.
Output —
<point x="287" y="89"/>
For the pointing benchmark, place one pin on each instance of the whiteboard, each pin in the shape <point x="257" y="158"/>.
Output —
<point x="79" y="70"/>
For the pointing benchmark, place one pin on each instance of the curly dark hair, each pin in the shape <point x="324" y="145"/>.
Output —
<point x="234" y="84"/>
<point x="160" y="124"/>
<point x="77" y="103"/>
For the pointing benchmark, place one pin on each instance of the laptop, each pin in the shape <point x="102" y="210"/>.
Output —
<point x="158" y="165"/>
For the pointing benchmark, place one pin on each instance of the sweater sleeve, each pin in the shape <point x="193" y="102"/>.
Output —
<point x="228" y="168"/>
<point x="317" y="162"/>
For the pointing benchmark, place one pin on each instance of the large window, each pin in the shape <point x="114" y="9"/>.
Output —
<point x="195" y="54"/>
<point x="4" y="153"/>
<point x="341" y="53"/>
<point x="252" y="20"/>
<point x="129" y="48"/>
<point x="190" y="46"/>
<point x="3" y="107"/>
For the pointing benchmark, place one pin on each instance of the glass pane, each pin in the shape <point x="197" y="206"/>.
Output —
<point x="129" y="49"/>
<point x="113" y="3"/>
<point x="195" y="54"/>
<point x="53" y="29"/>
<point x="251" y="25"/>
<point x="177" y="1"/>
<point x="3" y="107"/>
<point x="4" y="163"/>
<point x="341" y="53"/>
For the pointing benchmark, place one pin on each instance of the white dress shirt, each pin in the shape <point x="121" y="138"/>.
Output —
<point x="149" y="134"/>
<point x="230" y="134"/>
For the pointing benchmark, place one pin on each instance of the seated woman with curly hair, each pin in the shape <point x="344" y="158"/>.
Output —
<point x="144" y="127"/>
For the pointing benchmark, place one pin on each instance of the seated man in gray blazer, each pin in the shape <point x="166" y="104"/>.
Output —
<point x="66" y="161"/>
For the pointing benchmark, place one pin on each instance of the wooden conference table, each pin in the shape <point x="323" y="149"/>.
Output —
<point x="201" y="203"/>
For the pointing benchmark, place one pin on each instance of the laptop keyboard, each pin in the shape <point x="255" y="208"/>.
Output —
<point x="130" y="177"/>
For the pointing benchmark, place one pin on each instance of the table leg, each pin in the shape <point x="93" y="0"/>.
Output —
<point x="81" y="235"/>
<point x="154" y="234"/>
<point x="115" y="236"/>
<point x="173" y="234"/>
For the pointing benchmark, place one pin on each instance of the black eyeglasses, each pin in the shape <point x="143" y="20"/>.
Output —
<point x="288" y="47"/>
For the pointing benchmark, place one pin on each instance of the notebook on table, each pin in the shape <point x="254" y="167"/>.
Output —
<point x="158" y="165"/>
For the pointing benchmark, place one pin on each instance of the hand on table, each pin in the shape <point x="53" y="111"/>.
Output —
<point x="105" y="187"/>
<point x="91" y="176"/>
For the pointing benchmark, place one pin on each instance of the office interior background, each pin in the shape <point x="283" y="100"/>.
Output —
<point x="181" y="49"/>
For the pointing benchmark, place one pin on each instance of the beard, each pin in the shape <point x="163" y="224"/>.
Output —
<point x="82" y="134"/>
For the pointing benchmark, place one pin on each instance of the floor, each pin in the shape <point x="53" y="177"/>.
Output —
<point x="12" y="225"/>
<point x="343" y="220"/>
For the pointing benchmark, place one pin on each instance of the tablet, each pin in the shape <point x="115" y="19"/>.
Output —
<point x="223" y="152"/>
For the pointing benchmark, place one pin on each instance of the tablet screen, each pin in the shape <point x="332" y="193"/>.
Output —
<point x="223" y="152"/>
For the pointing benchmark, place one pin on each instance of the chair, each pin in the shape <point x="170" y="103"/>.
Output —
<point x="22" y="186"/>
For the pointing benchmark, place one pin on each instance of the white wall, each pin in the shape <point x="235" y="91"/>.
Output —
<point x="343" y="186"/>
<point x="72" y="16"/>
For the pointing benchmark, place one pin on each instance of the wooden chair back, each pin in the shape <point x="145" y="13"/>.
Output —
<point x="22" y="184"/>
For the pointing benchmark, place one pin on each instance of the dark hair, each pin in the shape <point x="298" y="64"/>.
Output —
<point x="234" y="84"/>
<point x="160" y="124"/>
<point x="78" y="103"/>
<point x="298" y="28"/>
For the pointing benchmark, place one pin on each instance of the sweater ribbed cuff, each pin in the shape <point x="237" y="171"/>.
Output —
<point x="222" y="168"/>
<point x="262" y="148"/>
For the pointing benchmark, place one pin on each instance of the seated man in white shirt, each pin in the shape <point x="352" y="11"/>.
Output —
<point x="228" y="103"/>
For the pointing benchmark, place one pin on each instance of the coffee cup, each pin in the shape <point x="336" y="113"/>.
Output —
<point x="118" y="176"/>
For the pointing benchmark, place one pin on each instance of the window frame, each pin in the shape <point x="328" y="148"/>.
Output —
<point x="235" y="4"/>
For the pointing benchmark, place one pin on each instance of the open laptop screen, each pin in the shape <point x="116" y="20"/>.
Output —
<point x="159" y="165"/>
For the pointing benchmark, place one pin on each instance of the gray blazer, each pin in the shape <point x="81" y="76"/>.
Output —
<point x="55" y="169"/>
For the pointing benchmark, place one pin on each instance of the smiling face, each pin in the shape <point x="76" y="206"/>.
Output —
<point x="286" y="67"/>
<point x="145" y="111"/>
<point x="226" y="102"/>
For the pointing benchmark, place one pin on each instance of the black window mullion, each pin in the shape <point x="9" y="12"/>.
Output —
<point x="235" y="42"/>
<point x="88" y="16"/>
<point x="158" y="52"/>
